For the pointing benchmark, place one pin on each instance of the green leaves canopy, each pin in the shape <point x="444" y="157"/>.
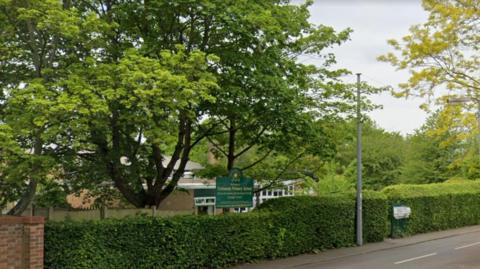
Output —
<point x="95" y="82"/>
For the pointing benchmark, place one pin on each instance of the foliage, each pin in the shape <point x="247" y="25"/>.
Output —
<point x="279" y="227"/>
<point x="329" y="182"/>
<point x="266" y="98"/>
<point x="134" y="108"/>
<point x="375" y="210"/>
<point x="429" y="154"/>
<point x="271" y="100"/>
<point x="31" y="61"/>
<point x="459" y="128"/>
<point x="302" y="225"/>
<point x="442" y="56"/>
<point x="442" y="52"/>
<point x="438" y="206"/>
<point x="382" y="153"/>
<point x="93" y="82"/>
<point x="212" y="171"/>
<point x="10" y="188"/>
<point x="51" y="194"/>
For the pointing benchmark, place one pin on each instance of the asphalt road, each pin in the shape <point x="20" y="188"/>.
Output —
<point x="462" y="252"/>
<point x="453" y="251"/>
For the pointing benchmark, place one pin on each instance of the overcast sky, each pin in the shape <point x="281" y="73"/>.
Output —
<point x="373" y="22"/>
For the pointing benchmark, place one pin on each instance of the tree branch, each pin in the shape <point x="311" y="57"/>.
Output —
<point x="257" y="161"/>
<point x="251" y="145"/>
<point x="272" y="182"/>
<point x="216" y="146"/>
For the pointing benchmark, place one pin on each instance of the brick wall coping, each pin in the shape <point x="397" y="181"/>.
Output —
<point x="21" y="220"/>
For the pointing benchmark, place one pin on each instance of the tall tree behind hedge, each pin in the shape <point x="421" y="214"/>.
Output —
<point x="33" y="58"/>
<point x="264" y="98"/>
<point x="428" y="158"/>
<point x="135" y="77"/>
<point x="442" y="56"/>
<point x="382" y="153"/>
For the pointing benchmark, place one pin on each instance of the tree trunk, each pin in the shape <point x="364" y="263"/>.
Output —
<point x="26" y="199"/>
<point x="187" y="146"/>
<point x="29" y="194"/>
<point x="231" y="145"/>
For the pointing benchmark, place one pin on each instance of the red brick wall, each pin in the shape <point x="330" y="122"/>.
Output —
<point x="21" y="242"/>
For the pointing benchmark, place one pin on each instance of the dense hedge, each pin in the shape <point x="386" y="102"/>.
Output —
<point x="181" y="242"/>
<point x="280" y="227"/>
<point x="303" y="225"/>
<point x="375" y="216"/>
<point x="438" y="206"/>
<point x="375" y="211"/>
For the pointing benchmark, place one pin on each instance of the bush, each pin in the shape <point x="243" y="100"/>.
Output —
<point x="437" y="206"/>
<point x="303" y="224"/>
<point x="178" y="242"/>
<point x="278" y="228"/>
<point x="375" y="216"/>
<point x="375" y="211"/>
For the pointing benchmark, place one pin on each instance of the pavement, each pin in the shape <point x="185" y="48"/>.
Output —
<point x="452" y="249"/>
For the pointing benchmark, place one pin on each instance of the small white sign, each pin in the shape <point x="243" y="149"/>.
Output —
<point x="401" y="212"/>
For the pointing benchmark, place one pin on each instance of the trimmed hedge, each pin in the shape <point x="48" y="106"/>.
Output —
<point x="278" y="228"/>
<point x="179" y="242"/>
<point x="437" y="206"/>
<point x="375" y="211"/>
<point x="303" y="224"/>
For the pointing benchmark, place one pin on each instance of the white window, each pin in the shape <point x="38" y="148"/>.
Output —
<point x="204" y="201"/>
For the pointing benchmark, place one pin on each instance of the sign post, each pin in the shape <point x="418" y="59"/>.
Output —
<point x="234" y="191"/>
<point x="399" y="220"/>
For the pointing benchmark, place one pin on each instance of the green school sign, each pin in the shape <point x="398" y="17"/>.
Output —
<point x="234" y="190"/>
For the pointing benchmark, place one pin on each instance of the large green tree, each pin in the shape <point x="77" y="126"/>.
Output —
<point x="109" y="88"/>
<point x="32" y="60"/>
<point x="383" y="153"/>
<point x="429" y="154"/>
<point x="78" y="94"/>
<point x="442" y="56"/>
<point x="127" y="113"/>
<point x="265" y="99"/>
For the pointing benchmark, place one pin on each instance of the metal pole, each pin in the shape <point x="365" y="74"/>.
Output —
<point x="359" y="221"/>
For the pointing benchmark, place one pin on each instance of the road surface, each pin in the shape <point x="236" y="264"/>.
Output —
<point x="456" y="249"/>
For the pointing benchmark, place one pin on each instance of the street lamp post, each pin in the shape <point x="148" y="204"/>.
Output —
<point x="359" y="221"/>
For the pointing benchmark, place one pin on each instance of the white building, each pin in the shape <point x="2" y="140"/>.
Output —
<point x="288" y="189"/>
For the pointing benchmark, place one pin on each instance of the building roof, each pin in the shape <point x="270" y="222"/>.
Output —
<point x="198" y="183"/>
<point x="191" y="166"/>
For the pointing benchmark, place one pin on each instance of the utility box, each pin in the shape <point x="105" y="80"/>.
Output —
<point x="399" y="220"/>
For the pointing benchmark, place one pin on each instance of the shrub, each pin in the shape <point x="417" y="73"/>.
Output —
<point x="330" y="181"/>
<point x="375" y="211"/>
<point x="178" y="242"/>
<point x="437" y="206"/>
<point x="375" y="216"/>
<point x="303" y="224"/>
